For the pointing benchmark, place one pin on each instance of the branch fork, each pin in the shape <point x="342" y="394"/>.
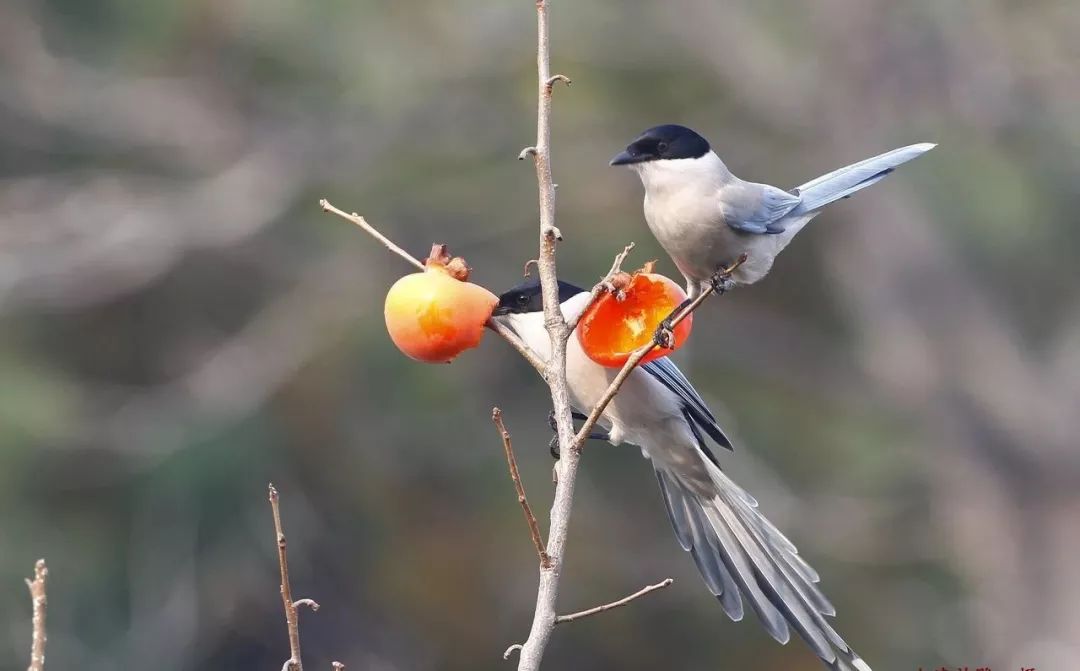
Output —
<point x="596" y="610"/>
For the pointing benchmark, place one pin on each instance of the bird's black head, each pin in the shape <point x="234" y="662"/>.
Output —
<point x="526" y="297"/>
<point x="669" y="141"/>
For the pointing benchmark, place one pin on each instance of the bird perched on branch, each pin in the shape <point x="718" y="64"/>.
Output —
<point x="705" y="217"/>
<point x="740" y="554"/>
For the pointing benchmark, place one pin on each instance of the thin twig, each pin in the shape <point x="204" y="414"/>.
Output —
<point x="505" y="333"/>
<point x="550" y="82"/>
<point x="639" y="354"/>
<point x="519" y="345"/>
<point x="40" y="601"/>
<point x="530" y="519"/>
<point x="614" y="604"/>
<point x="601" y="286"/>
<point x="362" y="223"/>
<point x="510" y="650"/>
<point x="292" y="617"/>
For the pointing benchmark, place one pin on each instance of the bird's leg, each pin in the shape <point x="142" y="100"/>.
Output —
<point x="573" y="413"/>
<point x="553" y="445"/>
<point x="721" y="280"/>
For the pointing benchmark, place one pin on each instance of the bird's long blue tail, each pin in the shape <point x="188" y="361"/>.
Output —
<point x="817" y="193"/>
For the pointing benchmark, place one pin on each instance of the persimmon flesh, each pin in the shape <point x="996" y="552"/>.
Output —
<point x="436" y="314"/>
<point x="611" y="329"/>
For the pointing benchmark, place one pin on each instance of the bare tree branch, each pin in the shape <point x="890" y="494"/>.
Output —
<point x="530" y="519"/>
<point x="292" y="618"/>
<point x="532" y="651"/>
<point x="614" y="604"/>
<point x="372" y="231"/>
<point x="40" y="601"/>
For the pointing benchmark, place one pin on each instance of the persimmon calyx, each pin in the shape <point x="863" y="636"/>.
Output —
<point x="453" y="266"/>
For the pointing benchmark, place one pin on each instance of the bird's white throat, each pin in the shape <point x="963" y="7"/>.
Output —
<point x="672" y="174"/>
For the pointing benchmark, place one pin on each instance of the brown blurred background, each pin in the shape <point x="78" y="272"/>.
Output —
<point x="180" y="324"/>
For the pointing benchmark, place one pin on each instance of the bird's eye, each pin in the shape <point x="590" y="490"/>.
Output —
<point x="661" y="146"/>
<point x="522" y="300"/>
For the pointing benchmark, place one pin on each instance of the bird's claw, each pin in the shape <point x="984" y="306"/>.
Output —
<point x="553" y="447"/>
<point x="664" y="336"/>
<point x="722" y="280"/>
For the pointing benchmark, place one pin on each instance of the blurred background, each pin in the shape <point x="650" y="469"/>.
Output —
<point x="180" y="324"/>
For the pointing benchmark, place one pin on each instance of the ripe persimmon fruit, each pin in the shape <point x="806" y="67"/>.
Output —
<point x="437" y="314"/>
<point x="616" y="325"/>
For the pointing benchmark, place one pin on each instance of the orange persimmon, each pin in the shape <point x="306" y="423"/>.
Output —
<point x="437" y="314"/>
<point x="614" y="326"/>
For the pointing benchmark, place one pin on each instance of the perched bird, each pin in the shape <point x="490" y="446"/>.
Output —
<point x="705" y="217"/>
<point x="740" y="554"/>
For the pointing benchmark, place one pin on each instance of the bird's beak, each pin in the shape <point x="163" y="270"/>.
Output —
<point x="500" y="310"/>
<point x="624" y="158"/>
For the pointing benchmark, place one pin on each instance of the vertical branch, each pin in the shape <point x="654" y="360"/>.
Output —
<point x="40" y="603"/>
<point x="292" y="618"/>
<point x="532" y="651"/>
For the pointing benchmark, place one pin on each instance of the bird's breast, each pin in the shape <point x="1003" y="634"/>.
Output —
<point x="692" y="230"/>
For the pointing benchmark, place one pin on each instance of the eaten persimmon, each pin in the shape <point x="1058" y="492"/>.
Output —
<point x="437" y="314"/>
<point x="616" y="325"/>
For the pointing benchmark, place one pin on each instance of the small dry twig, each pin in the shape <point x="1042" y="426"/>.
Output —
<point x="614" y="604"/>
<point x="530" y="519"/>
<point x="550" y="81"/>
<point x="510" y="650"/>
<point x="371" y="230"/>
<point x="292" y="617"/>
<point x="604" y="285"/>
<point x="39" y="600"/>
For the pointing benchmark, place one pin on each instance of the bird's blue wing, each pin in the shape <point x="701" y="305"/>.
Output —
<point x="669" y="375"/>
<point x="765" y="215"/>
